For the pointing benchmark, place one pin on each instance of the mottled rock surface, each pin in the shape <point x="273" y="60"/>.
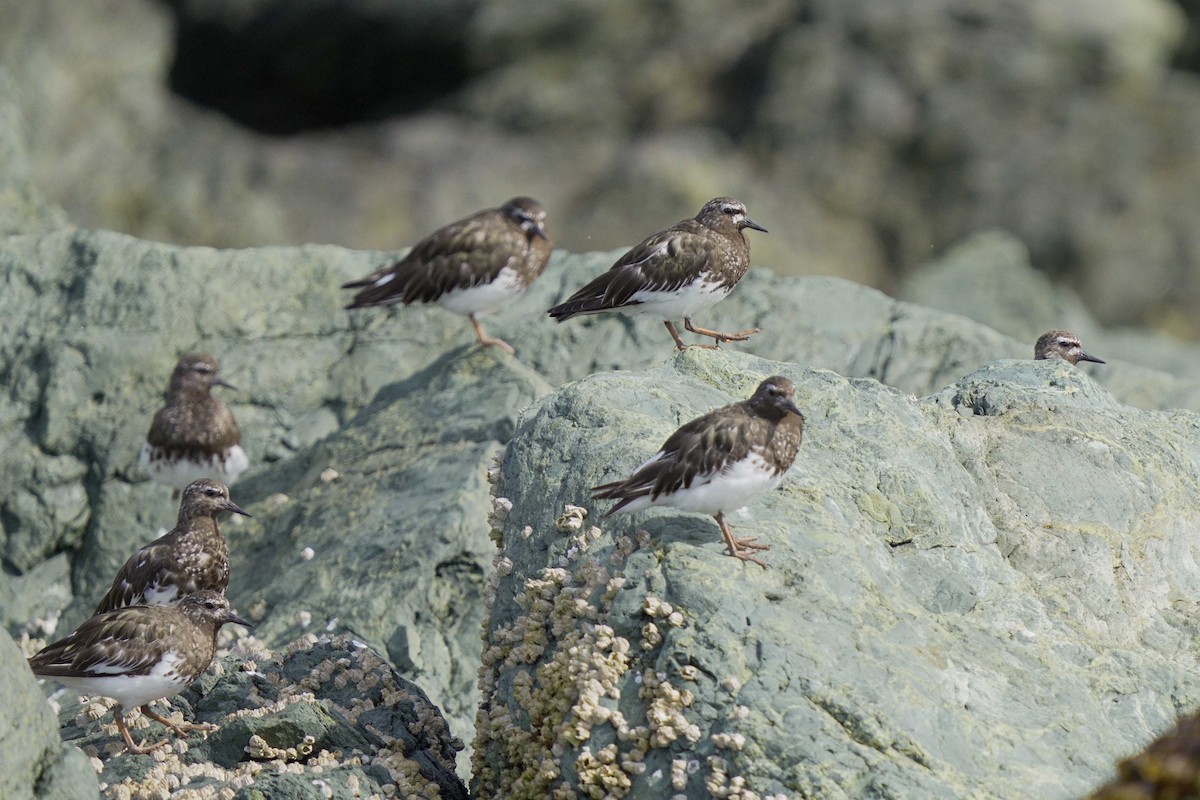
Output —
<point x="325" y="717"/>
<point x="961" y="587"/>
<point x="37" y="764"/>
<point x="989" y="592"/>
<point x="370" y="434"/>
<point x="868" y="137"/>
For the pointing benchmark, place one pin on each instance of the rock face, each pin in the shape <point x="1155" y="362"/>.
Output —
<point x="988" y="592"/>
<point x="38" y="765"/>
<point x="324" y="717"/>
<point x="867" y="137"/>
<point x="984" y="593"/>
<point x="371" y="434"/>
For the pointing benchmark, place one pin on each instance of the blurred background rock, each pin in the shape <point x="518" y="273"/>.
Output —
<point x="867" y="136"/>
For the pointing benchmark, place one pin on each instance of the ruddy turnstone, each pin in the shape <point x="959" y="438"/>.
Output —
<point x="194" y="435"/>
<point x="191" y="557"/>
<point x="676" y="273"/>
<point x="1064" y="345"/>
<point x="719" y="462"/>
<point x="471" y="267"/>
<point x="140" y="654"/>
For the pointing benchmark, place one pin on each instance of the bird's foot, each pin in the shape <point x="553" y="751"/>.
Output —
<point x="488" y="341"/>
<point x="750" y="543"/>
<point x="137" y="748"/>
<point x="719" y="336"/>
<point x="182" y="727"/>
<point x="143" y="748"/>
<point x="503" y="345"/>
<point x="743" y="556"/>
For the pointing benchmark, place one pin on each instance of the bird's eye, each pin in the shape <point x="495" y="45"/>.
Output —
<point x="729" y="210"/>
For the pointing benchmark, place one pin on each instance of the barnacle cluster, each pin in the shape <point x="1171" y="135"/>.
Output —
<point x="269" y="692"/>
<point x="557" y="678"/>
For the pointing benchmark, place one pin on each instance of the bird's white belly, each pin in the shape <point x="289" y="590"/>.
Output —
<point x="132" y="690"/>
<point x="682" y="302"/>
<point x="485" y="298"/>
<point x="178" y="473"/>
<point x="728" y="490"/>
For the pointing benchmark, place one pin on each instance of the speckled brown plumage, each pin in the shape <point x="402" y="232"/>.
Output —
<point x="717" y="462"/>
<point x="675" y="273"/>
<point x="139" y="654"/>
<point x="194" y="435"/>
<point x="471" y="267"/>
<point x="191" y="557"/>
<point x="1061" y="344"/>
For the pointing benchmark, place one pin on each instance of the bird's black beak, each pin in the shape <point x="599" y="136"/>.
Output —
<point x="234" y="618"/>
<point x="538" y="230"/>
<point x="790" y="406"/>
<point x="749" y="223"/>
<point x="219" y="381"/>
<point x="235" y="508"/>
<point x="1085" y="357"/>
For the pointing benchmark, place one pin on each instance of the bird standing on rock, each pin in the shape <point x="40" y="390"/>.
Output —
<point x="676" y="273"/>
<point x="140" y="654"/>
<point x="471" y="267"/>
<point x="719" y="462"/>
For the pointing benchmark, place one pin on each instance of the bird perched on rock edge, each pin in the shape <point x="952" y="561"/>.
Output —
<point x="140" y="654"/>
<point x="194" y="435"/>
<point x="719" y="462"/>
<point x="675" y="273"/>
<point x="471" y="267"/>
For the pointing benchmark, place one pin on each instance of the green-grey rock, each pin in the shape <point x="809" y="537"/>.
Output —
<point x="37" y="764"/>
<point x="22" y="207"/>
<point x="370" y="434"/>
<point x="985" y="593"/>
<point x="322" y="717"/>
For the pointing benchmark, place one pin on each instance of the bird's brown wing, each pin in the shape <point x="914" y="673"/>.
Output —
<point x="458" y="256"/>
<point x="154" y="563"/>
<point x="702" y="447"/>
<point x="663" y="263"/>
<point x="98" y="647"/>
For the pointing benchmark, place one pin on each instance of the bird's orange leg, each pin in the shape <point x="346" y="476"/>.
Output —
<point x="487" y="341"/>
<point x="180" y="728"/>
<point x="739" y="336"/>
<point x="737" y="547"/>
<point x="134" y="747"/>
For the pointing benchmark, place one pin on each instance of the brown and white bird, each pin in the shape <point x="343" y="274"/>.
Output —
<point x="140" y="654"/>
<point x="190" y="558"/>
<point x="471" y="267"/>
<point x="719" y="462"/>
<point x="1064" y="345"/>
<point x="194" y="435"/>
<point x="675" y="273"/>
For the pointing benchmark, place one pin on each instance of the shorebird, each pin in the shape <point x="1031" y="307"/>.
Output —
<point x="1064" y="345"/>
<point x="140" y="654"/>
<point x="719" y="462"/>
<point x="471" y="267"/>
<point x="194" y="435"/>
<point x="675" y="273"/>
<point x="190" y="558"/>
